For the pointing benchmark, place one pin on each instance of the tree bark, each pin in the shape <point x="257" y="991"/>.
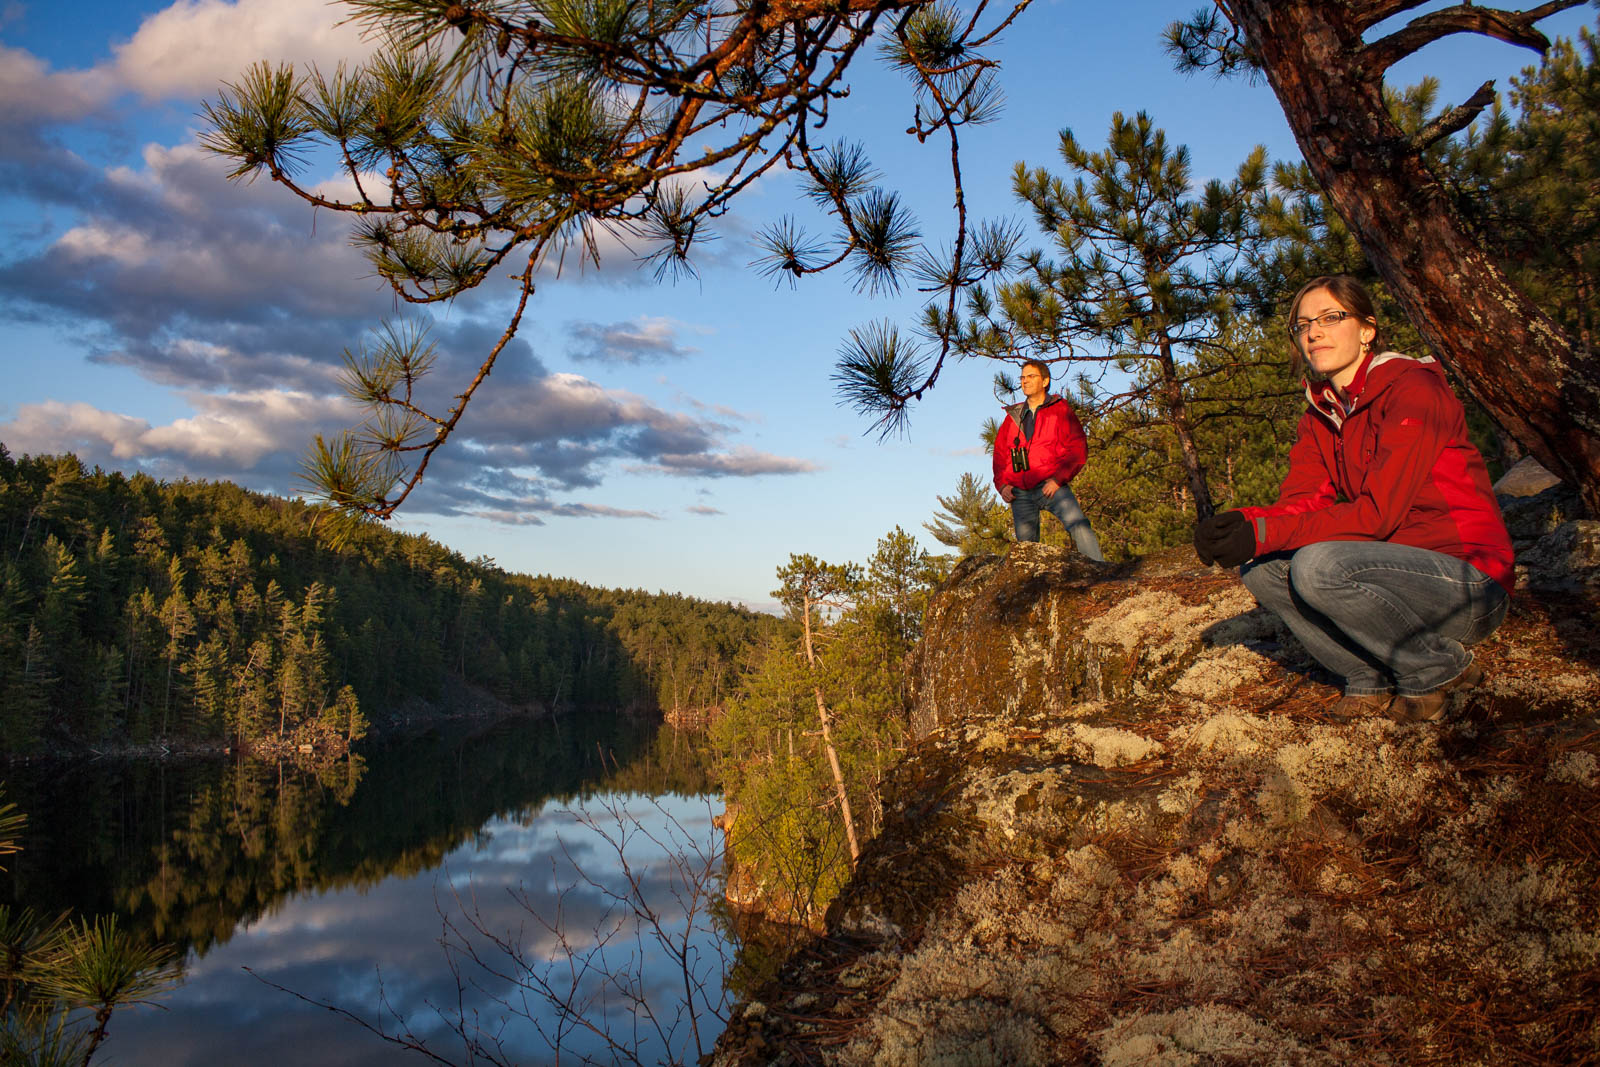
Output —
<point x="827" y="746"/>
<point x="1515" y="361"/>
<point x="1178" y="412"/>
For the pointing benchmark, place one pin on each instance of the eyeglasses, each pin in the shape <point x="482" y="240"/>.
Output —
<point x="1327" y="321"/>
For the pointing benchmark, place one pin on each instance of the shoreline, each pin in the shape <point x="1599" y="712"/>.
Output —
<point x="463" y="704"/>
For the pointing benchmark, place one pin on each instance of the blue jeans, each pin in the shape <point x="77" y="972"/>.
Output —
<point x="1384" y="616"/>
<point x="1026" y="505"/>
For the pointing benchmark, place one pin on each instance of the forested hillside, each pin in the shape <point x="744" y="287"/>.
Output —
<point x="135" y="610"/>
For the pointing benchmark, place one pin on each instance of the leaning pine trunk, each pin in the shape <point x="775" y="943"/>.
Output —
<point x="1513" y="358"/>
<point x="827" y="746"/>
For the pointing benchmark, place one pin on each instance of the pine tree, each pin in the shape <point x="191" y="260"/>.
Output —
<point x="900" y="575"/>
<point x="507" y="140"/>
<point x="808" y="587"/>
<point x="971" y="520"/>
<point x="1533" y="184"/>
<point x="178" y="625"/>
<point x="14" y="622"/>
<point x="1135" y="486"/>
<point x="29" y="688"/>
<point x="1145" y="282"/>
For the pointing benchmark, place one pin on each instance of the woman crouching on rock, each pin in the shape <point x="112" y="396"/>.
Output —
<point x="1385" y="553"/>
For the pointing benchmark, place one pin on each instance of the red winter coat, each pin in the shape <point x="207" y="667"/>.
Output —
<point x="1397" y="466"/>
<point x="1057" y="449"/>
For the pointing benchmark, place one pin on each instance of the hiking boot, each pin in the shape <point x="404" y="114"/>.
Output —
<point x="1354" y="707"/>
<point x="1436" y="705"/>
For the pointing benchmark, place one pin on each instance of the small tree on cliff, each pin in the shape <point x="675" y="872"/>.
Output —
<point x="809" y="588"/>
<point x="971" y="520"/>
<point x="818" y="718"/>
<point x="1244" y="423"/>
<point x="900" y="578"/>
<point x="1136" y="485"/>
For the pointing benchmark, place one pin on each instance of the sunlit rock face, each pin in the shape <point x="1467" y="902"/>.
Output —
<point x="1128" y="836"/>
<point x="1047" y="630"/>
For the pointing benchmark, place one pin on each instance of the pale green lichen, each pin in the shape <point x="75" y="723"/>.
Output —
<point x="1573" y="768"/>
<point x="1207" y="1034"/>
<point x="1108" y="747"/>
<point x="1392" y="776"/>
<point x="1182" y="795"/>
<point x="1233" y="735"/>
<point x="1542" y="690"/>
<point x="1162" y="629"/>
<point x="1003" y="974"/>
<point x="1216" y="674"/>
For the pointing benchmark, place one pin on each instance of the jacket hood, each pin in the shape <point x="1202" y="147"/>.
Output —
<point x="1015" y="410"/>
<point x="1376" y="374"/>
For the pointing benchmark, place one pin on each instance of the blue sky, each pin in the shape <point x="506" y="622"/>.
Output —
<point x="681" y="437"/>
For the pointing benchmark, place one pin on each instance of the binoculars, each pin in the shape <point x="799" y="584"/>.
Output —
<point x="1019" y="459"/>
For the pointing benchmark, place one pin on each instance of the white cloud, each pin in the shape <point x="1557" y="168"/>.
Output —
<point x="105" y="240"/>
<point x="185" y="51"/>
<point x="57" y="427"/>
<point x="233" y="432"/>
<point x="646" y="338"/>
<point x="205" y="285"/>
<point x="742" y="461"/>
<point x="526" y="512"/>
<point x="29" y="89"/>
<point x="244" y="427"/>
<point x="177" y="252"/>
<point x="190" y="48"/>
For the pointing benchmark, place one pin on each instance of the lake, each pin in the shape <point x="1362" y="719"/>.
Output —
<point x="479" y="889"/>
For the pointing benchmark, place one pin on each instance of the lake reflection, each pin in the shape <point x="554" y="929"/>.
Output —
<point x="372" y="919"/>
<point x="362" y="948"/>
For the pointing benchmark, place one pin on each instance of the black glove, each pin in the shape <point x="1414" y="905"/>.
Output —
<point x="1226" y="539"/>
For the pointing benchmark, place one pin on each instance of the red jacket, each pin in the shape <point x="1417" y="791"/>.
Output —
<point x="1396" y="466"/>
<point x="1057" y="449"/>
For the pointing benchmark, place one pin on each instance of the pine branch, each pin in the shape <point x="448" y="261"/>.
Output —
<point x="1456" y="119"/>
<point x="1513" y="27"/>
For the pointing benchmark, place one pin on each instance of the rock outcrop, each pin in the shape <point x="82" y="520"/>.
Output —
<point x="1128" y="836"/>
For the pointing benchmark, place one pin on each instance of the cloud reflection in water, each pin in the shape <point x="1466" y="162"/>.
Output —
<point x="359" y="949"/>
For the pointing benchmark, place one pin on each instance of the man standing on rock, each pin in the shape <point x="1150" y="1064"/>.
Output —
<point x="1039" y="449"/>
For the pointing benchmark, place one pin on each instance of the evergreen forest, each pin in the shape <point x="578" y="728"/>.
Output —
<point x="137" y="611"/>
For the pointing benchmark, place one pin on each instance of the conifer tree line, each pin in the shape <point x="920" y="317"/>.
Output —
<point x="136" y="610"/>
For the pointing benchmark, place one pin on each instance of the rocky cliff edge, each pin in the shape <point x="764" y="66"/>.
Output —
<point x="1127" y="836"/>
